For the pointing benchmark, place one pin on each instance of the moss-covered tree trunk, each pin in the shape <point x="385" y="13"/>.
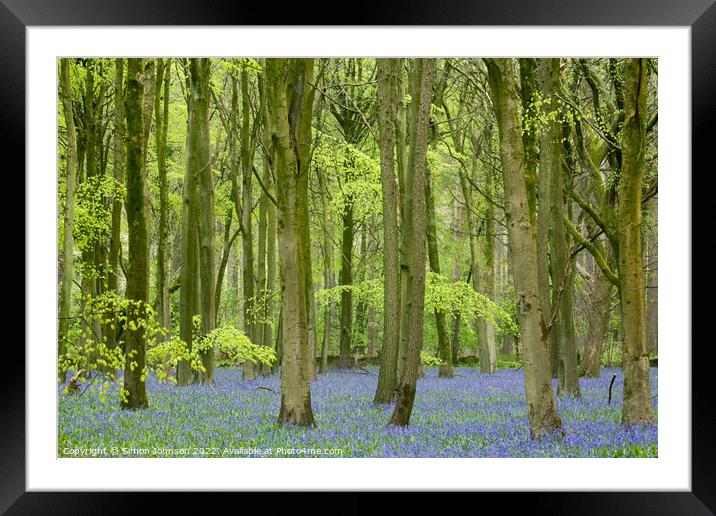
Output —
<point x="68" y="263"/>
<point x="638" y="406"/>
<point x="551" y="165"/>
<point x="267" y="333"/>
<point x="415" y="228"/>
<point x="161" y="115"/>
<point x="541" y="406"/>
<point x="387" y="107"/>
<point x="247" y="240"/>
<point x="134" y="393"/>
<point x="288" y="82"/>
<point x="200" y="70"/>
<point x="544" y="214"/>
<point x="445" y="369"/>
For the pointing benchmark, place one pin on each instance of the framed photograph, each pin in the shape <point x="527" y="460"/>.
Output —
<point x="219" y="314"/>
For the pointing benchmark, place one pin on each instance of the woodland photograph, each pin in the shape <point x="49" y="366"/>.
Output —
<point x="357" y="257"/>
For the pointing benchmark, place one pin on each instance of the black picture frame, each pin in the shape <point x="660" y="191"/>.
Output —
<point x="700" y="15"/>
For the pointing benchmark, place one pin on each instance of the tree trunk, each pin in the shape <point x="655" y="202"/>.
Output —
<point x="472" y="235"/>
<point x="485" y="280"/>
<point x="415" y="228"/>
<point x="68" y="263"/>
<point x="638" y="406"/>
<point x="117" y="203"/>
<point x="445" y="370"/>
<point x="161" y="114"/>
<point x="91" y="274"/>
<point x="346" y="280"/>
<point x="269" y="174"/>
<point x="289" y="100"/>
<point x="307" y="264"/>
<point x="652" y="284"/>
<point x="456" y="275"/>
<point x="200" y="70"/>
<point x="404" y="207"/>
<point x="328" y="277"/>
<point x="225" y="254"/>
<point x="388" y="69"/>
<point x="551" y="164"/>
<point x="135" y="395"/>
<point x="541" y="406"/>
<point x="247" y="241"/>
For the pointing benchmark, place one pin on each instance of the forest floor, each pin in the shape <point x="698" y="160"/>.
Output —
<point x="471" y="415"/>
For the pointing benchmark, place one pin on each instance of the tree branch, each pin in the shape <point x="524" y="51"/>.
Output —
<point x="589" y="246"/>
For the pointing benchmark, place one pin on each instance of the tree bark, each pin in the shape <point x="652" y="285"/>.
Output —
<point x="118" y="168"/>
<point x="485" y="280"/>
<point x="346" y="280"/>
<point x="445" y="369"/>
<point x="68" y="263"/>
<point x="541" y="406"/>
<point x="200" y="70"/>
<point x="415" y="228"/>
<point x="135" y="395"/>
<point x="161" y="114"/>
<point x="388" y="69"/>
<point x="247" y="241"/>
<point x="551" y="164"/>
<point x="328" y="277"/>
<point x="638" y="406"/>
<point x="287" y="82"/>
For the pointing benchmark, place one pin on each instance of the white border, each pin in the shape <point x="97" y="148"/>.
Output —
<point x="671" y="470"/>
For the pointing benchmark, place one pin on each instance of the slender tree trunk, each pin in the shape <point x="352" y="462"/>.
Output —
<point x="361" y="322"/>
<point x="161" y="114"/>
<point x="551" y="164"/>
<point x="268" y="230"/>
<point x="68" y="263"/>
<point x="541" y="406"/>
<point x="388" y="70"/>
<point x="445" y="370"/>
<point x="473" y="277"/>
<point x="486" y="283"/>
<point x="638" y="406"/>
<point x="346" y="280"/>
<point x="456" y="275"/>
<point x="270" y="260"/>
<point x="247" y="241"/>
<point x="261" y="260"/>
<point x="289" y="100"/>
<point x="403" y="205"/>
<point x="328" y="277"/>
<point x="135" y="395"/>
<point x="225" y="254"/>
<point x="117" y="202"/>
<point x="307" y="263"/>
<point x="415" y="227"/>
<point x="91" y="275"/>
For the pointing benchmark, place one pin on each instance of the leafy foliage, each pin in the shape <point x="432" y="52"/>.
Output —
<point x="429" y="360"/>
